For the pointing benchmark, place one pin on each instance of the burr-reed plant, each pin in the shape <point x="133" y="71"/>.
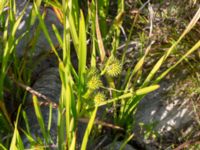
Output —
<point x="97" y="80"/>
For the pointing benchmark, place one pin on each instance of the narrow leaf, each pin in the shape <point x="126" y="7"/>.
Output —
<point x="82" y="53"/>
<point x="88" y="130"/>
<point x="146" y="90"/>
<point x="99" y="38"/>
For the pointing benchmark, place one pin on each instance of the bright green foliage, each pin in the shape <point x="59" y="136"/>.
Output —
<point x="2" y="5"/>
<point x="94" y="84"/>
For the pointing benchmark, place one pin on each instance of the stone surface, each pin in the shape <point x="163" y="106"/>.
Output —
<point x="167" y="112"/>
<point x="45" y="75"/>
<point x="48" y="81"/>
<point x="42" y="45"/>
<point x="47" y="84"/>
<point x="116" y="146"/>
<point x="170" y="114"/>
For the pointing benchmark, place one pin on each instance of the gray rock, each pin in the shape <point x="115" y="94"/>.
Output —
<point x="42" y="45"/>
<point x="170" y="114"/>
<point x="20" y="5"/>
<point x="43" y="66"/>
<point x="166" y="113"/>
<point x="116" y="146"/>
<point x="47" y="84"/>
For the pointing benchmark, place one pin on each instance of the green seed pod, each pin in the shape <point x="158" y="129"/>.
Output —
<point x="113" y="67"/>
<point x="91" y="72"/>
<point x="94" y="83"/>
<point x="99" y="97"/>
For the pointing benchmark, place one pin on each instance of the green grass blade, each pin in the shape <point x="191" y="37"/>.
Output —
<point x="2" y="147"/>
<point x="147" y="90"/>
<point x="50" y="117"/>
<point x="19" y="141"/>
<point x="9" y="45"/>
<point x="137" y="67"/>
<point x="68" y="107"/>
<point x="91" y="15"/>
<point x="153" y="71"/>
<point x="74" y="34"/>
<point x="55" y="3"/>
<point x="12" y="12"/>
<point x="127" y="95"/>
<point x="88" y="129"/>
<point x="99" y="38"/>
<point x="5" y="32"/>
<point x="13" y="145"/>
<point x="131" y="106"/>
<point x="40" y="118"/>
<point x="116" y="26"/>
<point x="29" y="137"/>
<point x="73" y="145"/>
<point x="57" y="34"/>
<point x="66" y="43"/>
<point x="126" y="141"/>
<point x="75" y="12"/>
<point x="3" y="3"/>
<point x="168" y="52"/>
<point x="44" y="28"/>
<point x="194" y="48"/>
<point x="133" y="102"/>
<point x="34" y="13"/>
<point x="82" y="53"/>
<point x="26" y="121"/>
<point x="138" y="92"/>
<point x="103" y="6"/>
<point x="66" y="100"/>
<point x="61" y="129"/>
<point x="120" y="6"/>
<point x="8" y="49"/>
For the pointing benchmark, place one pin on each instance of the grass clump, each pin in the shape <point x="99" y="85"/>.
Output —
<point x="97" y="79"/>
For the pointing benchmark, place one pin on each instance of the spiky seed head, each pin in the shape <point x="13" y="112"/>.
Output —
<point x="99" y="97"/>
<point x="114" y="67"/>
<point x="91" y="72"/>
<point x="94" y="82"/>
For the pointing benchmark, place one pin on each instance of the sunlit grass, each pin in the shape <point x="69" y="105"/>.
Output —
<point x="80" y="95"/>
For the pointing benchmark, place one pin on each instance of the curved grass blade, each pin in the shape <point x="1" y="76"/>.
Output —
<point x="126" y="141"/>
<point x="103" y="6"/>
<point x="168" y="52"/>
<point x="88" y="129"/>
<point x="57" y="35"/>
<point x="8" y="49"/>
<point x="82" y="53"/>
<point x="16" y="142"/>
<point x="50" y="117"/>
<point x="99" y="37"/>
<point x="194" y="48"/>
<point x="43" y="26"/>
<point x="3" y="3"/>
<point x="40" y="119"/>
<point x="138" y="92"/>
<point x="2" y="147"/>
